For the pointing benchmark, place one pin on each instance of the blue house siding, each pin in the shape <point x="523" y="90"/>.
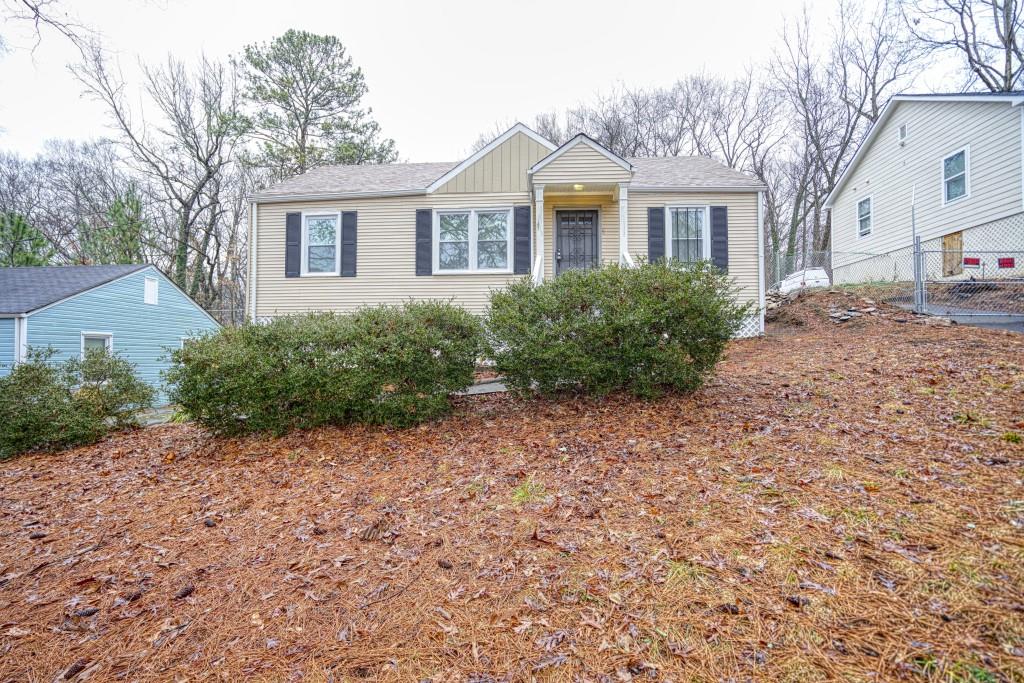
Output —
<point x="142" y="333"/>
<point x="6" y="345"/>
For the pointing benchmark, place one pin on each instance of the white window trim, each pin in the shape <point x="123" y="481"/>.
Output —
<point x="967" y="174"/>
<point x="870" y="199"/>
<point x="304" y="243"/>
<point x="92" y="333"/>
<point x="156" y="291"/>
<point x="902" y="133"/>
<point x="473" y="269"/>
<point x="705" y="231"/>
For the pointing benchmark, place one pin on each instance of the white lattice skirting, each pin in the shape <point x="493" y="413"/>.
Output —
<point x="751" y="326"/>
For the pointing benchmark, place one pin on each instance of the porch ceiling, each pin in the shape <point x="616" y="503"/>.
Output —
<point x="582" y="188"/>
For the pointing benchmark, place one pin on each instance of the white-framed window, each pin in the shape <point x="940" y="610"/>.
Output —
<point x="473" y="240"/>
<point x="321" y="243"/>
<point x="97" y="340"/>
<point x="688" y="233"/>
<point x="903" y="133"/>
<point x="151" y="294"/>
<point x="955" y="169"/>
<point x="864" y="217"/>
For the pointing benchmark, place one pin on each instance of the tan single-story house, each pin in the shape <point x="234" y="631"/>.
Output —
<point x="341" y="237"/>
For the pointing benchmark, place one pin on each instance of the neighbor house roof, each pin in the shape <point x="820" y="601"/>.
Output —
<point x="23" y="290"/>
<point x="377" y="180"/>
<point x="1014" y="98"/>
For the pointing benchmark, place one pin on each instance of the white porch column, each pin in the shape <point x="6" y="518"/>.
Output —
<point x="538" y="262"/>
<point x="624" y="258"/>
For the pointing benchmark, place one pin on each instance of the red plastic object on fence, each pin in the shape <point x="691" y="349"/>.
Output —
<point x="972" y="261"/>
<point x="1006" y="262"/>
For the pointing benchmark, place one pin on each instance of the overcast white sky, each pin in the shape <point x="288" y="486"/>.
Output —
<point x="440" y="72"/>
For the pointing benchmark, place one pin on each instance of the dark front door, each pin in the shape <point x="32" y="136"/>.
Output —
<point x="576" y="245"/>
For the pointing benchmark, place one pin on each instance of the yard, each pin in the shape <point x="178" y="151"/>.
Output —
<point x="844" y="501"/>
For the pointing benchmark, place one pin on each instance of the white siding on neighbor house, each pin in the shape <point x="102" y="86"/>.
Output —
<point x="581" y="164"/>
<point x="888" y="172"/>
<point x="744" y="261"/>
<point x="503" y="169"/>
<point x="385" y="257"/>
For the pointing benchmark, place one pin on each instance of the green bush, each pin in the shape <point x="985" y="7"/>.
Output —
<point x="645" y="330"/>
<point x="47" y="406"/>
<point x="385" y="365"/>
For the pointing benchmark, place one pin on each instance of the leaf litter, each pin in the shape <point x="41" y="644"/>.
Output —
<point x="839" y="502"/>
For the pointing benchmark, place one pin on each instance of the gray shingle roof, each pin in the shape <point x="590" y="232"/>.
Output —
<point x="25" y="289"/>
<point x="367" y="178"/>
<point x="687" y="172"/>
<point x="667" y="172"/>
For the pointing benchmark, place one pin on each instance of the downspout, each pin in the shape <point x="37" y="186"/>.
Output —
<point x="253" y="224"/>
<point x="760" y="260"/>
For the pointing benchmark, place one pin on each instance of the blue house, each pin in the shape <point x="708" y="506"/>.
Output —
<point x="131" y="310"/>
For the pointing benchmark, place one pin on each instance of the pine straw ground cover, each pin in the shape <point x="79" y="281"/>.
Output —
<point x="843" y="502"/>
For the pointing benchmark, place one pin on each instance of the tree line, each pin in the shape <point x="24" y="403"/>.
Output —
<point x="168" y="186"/>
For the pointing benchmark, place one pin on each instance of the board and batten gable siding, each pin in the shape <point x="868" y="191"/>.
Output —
<point x="888" y="172"/>
<point x="581" y="164"/>
<point x="386" y="269"/>
<point x="142" y="332"/>
<point x="744" y="259"/>
<point x="503" y="169"/>
<point x="7" y="347"/>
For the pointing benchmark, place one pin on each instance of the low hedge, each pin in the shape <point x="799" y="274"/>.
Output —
<point x="46" y="405"/>
<point x="386" y="365"/>
<point x="646" y="330"/>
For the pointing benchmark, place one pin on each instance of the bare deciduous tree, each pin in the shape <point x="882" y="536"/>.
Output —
<point x="986" y="34"/>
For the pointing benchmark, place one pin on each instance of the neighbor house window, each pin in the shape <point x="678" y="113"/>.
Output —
<point x="903" y="133"/>
<point x="473" y="240"/>
<point x="954" y="175"/>
<point x="152" y="291"/>
<point x="864" y="217"/>
<point x="320" y="244"/>
<point x="103" y="341"/>
<point x="688" y="234"/>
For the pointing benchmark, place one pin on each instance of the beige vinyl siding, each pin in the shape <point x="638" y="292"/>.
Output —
<point x="888" y="173"/>
<point x="581" y="164"/>
<point x="743" y="255"/>
<point x="608" y="215"/>
<point x="503" y="169"/>
<point x="386" y="261"/>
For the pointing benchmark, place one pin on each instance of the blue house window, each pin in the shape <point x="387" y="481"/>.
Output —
<point x="97" y="340"/>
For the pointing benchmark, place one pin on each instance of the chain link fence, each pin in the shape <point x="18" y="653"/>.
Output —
<point x="975" y="274"/>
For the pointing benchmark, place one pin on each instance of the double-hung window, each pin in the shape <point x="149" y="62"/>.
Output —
<point x="864" y="217"/>
<point x="320" y="244"/>
<point x="954" y="176"/>
<point x="101" y="341"/>
<point x="688" y="239"/>
<point x="473" y="241"/>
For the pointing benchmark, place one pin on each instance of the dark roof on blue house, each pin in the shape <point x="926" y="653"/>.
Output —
<point x="23" y="290"/>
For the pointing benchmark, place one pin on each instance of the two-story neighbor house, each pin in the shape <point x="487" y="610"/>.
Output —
<point x="953" y="163"/>
<point x="132" y="310"/>
<point x="341" y="237"/>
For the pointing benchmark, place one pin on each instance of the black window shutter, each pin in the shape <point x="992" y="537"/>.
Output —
<point x="521" y="246"/>
<point x="655" y="234"/>
<point x="424" y="241"/>
<point x="348" y="244"/>
<point x="720" y="237"/>
<point x="292" y="244"/>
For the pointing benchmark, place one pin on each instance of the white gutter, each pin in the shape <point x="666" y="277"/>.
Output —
<point x="692" y="188"/>
<point x="279" y="198"/>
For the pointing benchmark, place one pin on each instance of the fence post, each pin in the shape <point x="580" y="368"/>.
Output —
<point x="918" y="277"/>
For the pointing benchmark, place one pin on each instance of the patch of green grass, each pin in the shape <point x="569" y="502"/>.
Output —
<point x="969" y="417"/>
<point x="1012" y="437"/>
<point x="685" y="572"/>
<point x="529" y="491"/>
<point x="964" y="672"/>
<point x="901" y="473"/>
